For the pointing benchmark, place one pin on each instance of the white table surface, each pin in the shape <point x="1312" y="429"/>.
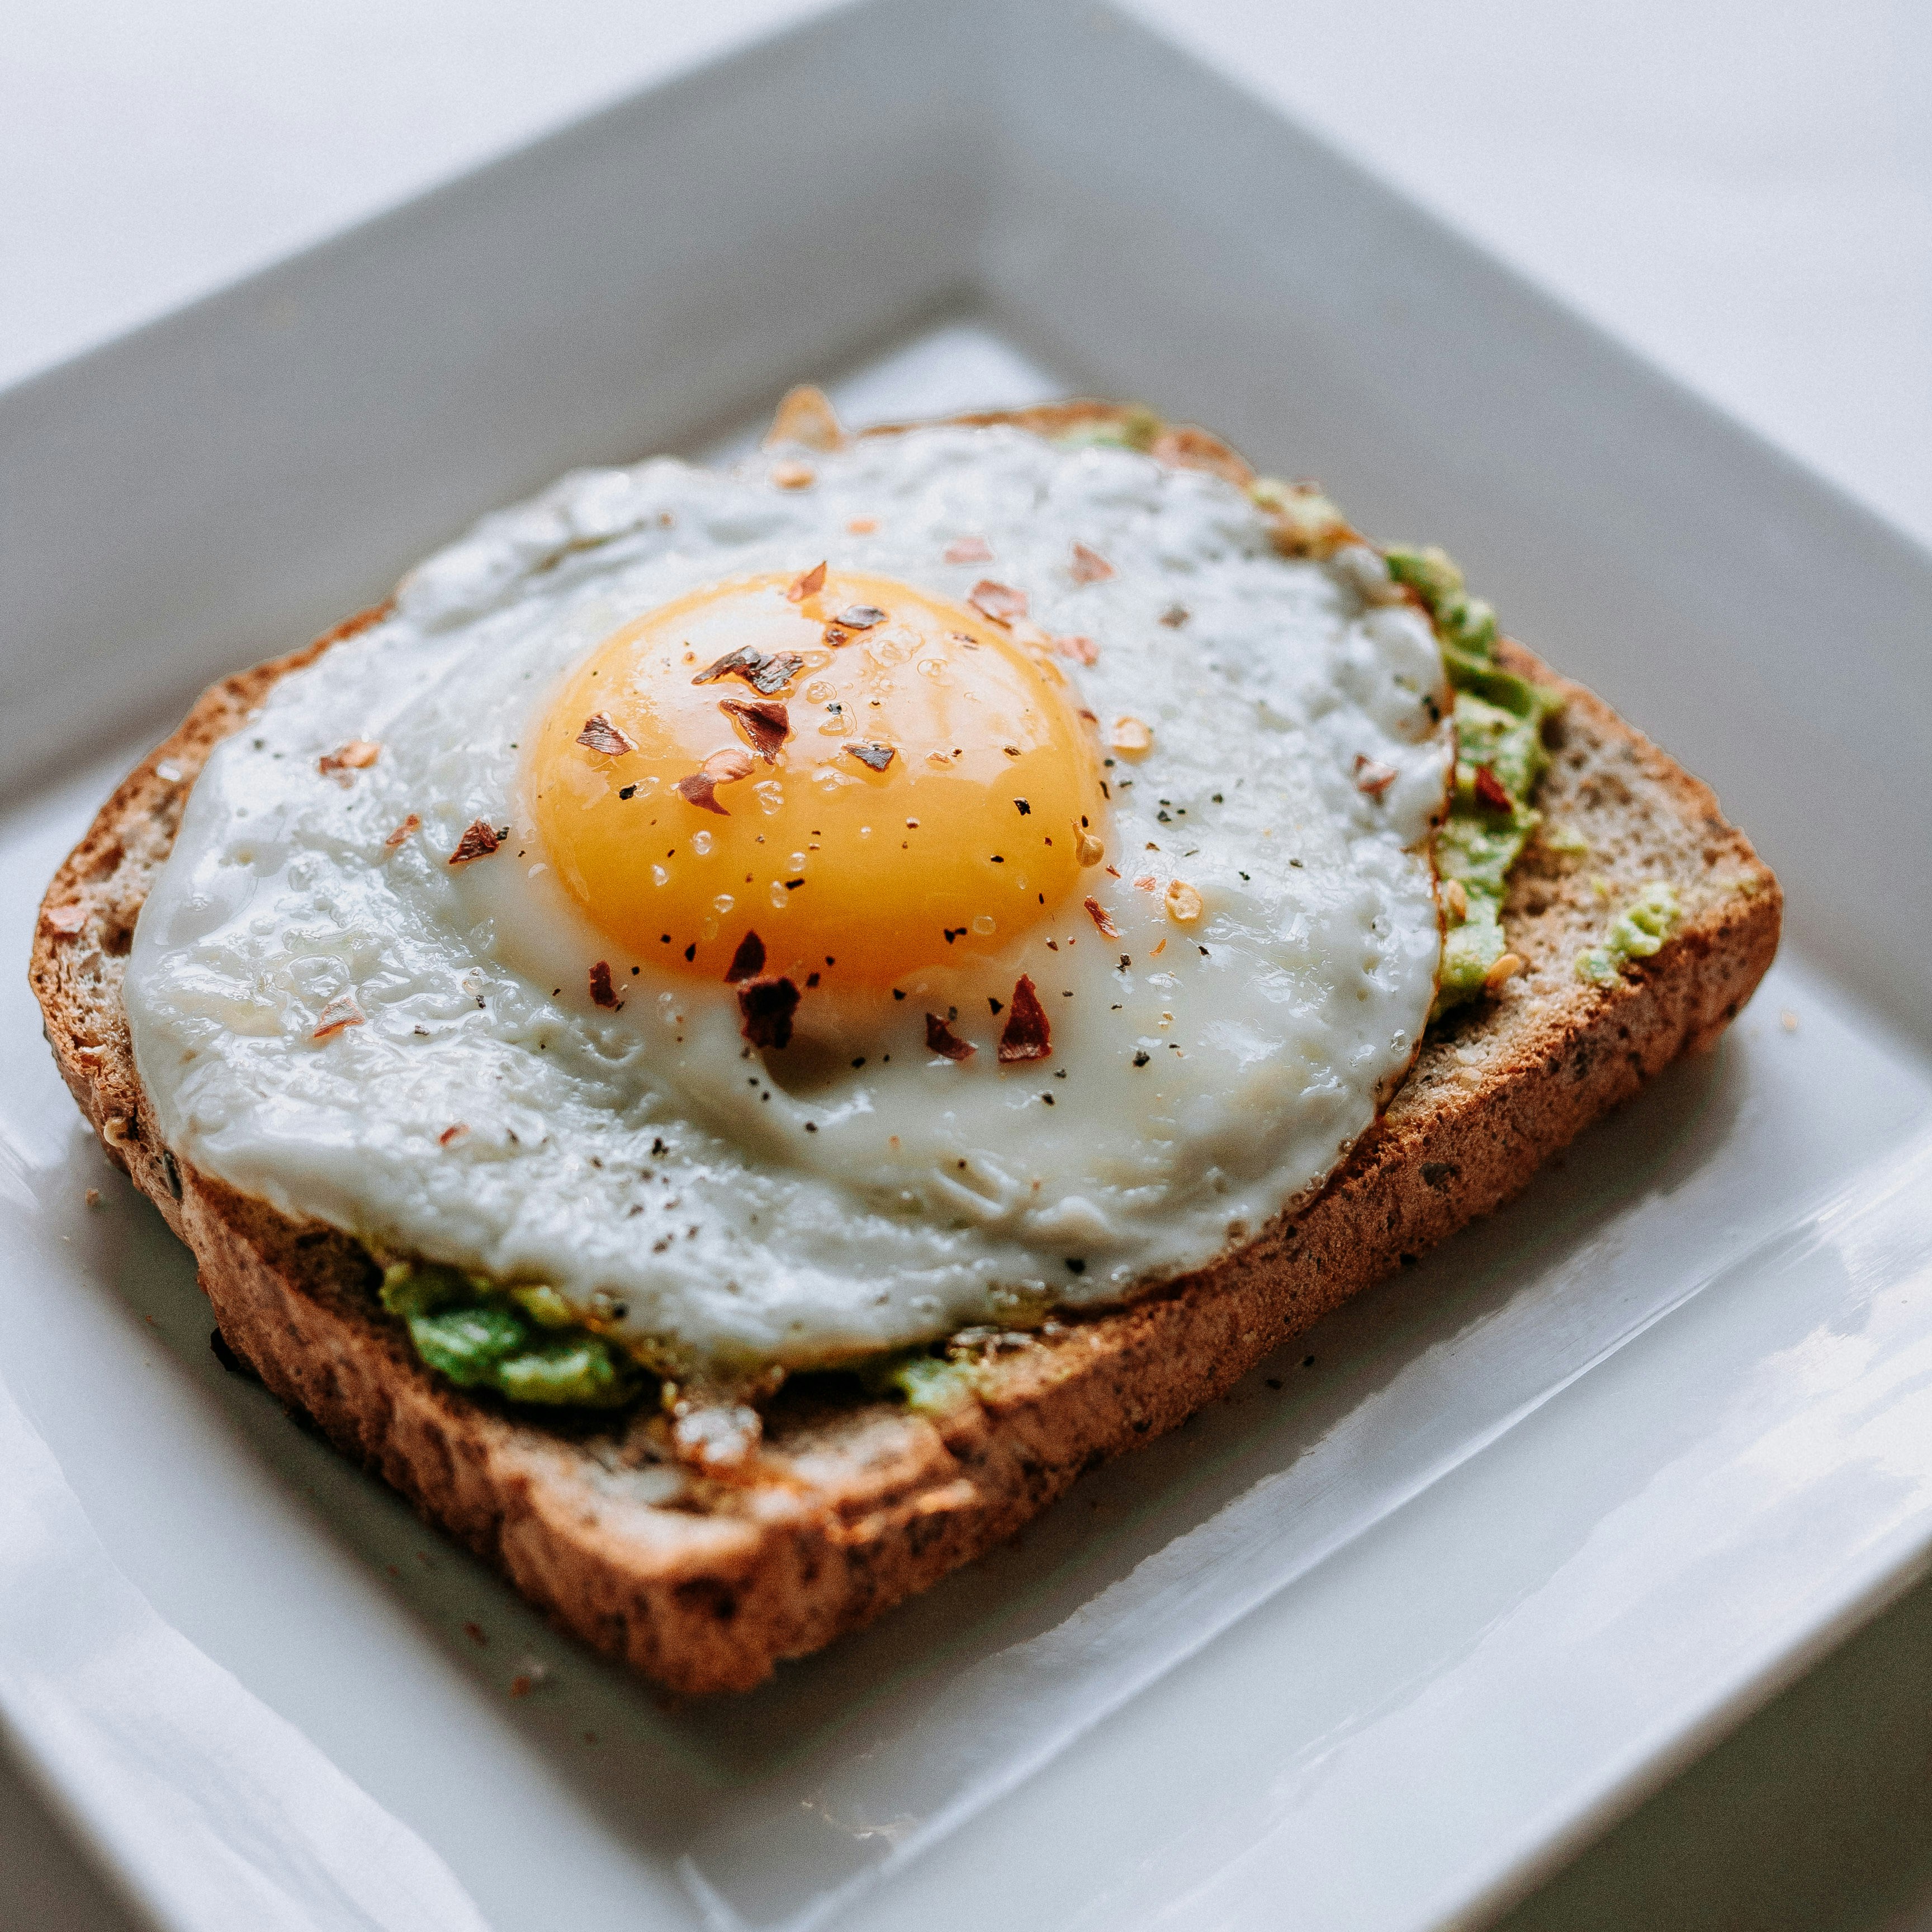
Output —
<point x="1742" y="191"/>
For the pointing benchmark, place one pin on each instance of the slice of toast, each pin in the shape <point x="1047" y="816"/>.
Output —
<point x="857" y="1502"/>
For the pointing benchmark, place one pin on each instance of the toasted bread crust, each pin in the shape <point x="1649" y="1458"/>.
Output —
<point x="857" y="1503"/>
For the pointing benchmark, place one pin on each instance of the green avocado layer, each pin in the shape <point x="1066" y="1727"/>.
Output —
<point x="1500" y="755"/>
<point x="524" y="1342"/>
<point x="1636" y="933"/>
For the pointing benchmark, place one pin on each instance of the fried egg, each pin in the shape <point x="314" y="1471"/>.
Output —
<point x="798" y="910"/>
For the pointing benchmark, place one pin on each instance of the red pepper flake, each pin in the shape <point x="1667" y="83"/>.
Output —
<point x="1000" y="601"/>
<point x="700" y="789"/>
<point x="479" y="842"/>
<point x="767" y="672"/>
<point x="807" y="583"/>
<point x="875" y="757"/>
<point x="767" y="1006"/>
<point x="602" y="993"/>
<point x="969" y="550"/>
<point x="1490" y="790"/>
<point x="723" y="767"/>
<point x="1182" y="446"/>
<point x="1174" y="616"/>
<point x="355" y="756"/>
<point x="1081" y="650"/>
<point x="1372" y="776"/>
<point x="411" y="824"/>
<point x="474" y="1632"/>
<point x="66" y="920"/>
<point x="1026" y="1036"/>
<point x="1103" y="918"/>
<point x="765" y="722"/>
<point x="600" y="735"/>
<point x="748" y="962"/>
<point x="1089" y="566"/>
<point x="341" y="1012"/>
<point x="450" y="1135"/>
<point x="940" y="1038"/>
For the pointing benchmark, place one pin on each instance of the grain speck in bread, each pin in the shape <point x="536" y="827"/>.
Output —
<point x="857" y="1503"/>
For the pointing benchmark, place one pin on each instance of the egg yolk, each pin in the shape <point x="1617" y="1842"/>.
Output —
<point x="863" y="778"/>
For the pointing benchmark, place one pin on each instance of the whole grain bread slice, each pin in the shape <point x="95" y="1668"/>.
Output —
<point x="854" y="1502"/>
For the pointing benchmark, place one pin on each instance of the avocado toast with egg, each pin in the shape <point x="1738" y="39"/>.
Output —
<point x="1601" y="918"/>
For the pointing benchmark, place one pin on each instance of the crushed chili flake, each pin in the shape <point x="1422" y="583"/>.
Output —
<point x="1174" y="616"/>
<point x="1490" y="791"/>
<point x="875" y="757"/>
<point x="767" y="672"/>
<point x="940" y="1038"/>
<point x="1130" y="736"/>
<point x="860" y="617"/>
<point x="700" y="789"/>
<point x="1026" y="1036"/>
<point x="1101" y="917"/>
<point x="355" y="756"/>
<point x="1372" y="776"/>
<point x="748" y="962"/>
<point x="342" y="1011"/>
<point x="479" y="842"/>
<point x="969" y="550"/>
<point x="450" y="1135"/>
<point x="767" y="1006"/>
<point x="1000" y="601"/>
<point x="1089" y="566"/>
<point x="66" y="920"/>
<point x="1081" y="650"/>
<point x="600" y="735"/>
<point x="807" y="583"/>
<point x="1145" y="883"/>
<point x="765" y="722"/>
<point x="411" y="824"/>
<point x="1184" y="447"/>
<point x="602" y="993"/>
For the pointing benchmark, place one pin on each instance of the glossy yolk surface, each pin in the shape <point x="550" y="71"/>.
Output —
<point x="868" y="796"/>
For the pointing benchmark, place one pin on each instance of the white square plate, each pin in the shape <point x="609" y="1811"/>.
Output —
<point x="1374" y="1640"/>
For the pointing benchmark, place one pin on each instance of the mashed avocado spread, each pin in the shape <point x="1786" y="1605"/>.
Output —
<point x="1500" y="756"/>
<point x="525" y="1343"/>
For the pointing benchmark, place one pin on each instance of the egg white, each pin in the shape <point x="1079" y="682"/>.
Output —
<point x="727" y="1209"/>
